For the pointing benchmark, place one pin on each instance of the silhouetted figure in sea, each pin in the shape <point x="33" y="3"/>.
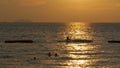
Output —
<point x="49" y="54"/>
<point x="68" y="39"/>
<point x="34" y="58"/>
<point x="56" y="54"/>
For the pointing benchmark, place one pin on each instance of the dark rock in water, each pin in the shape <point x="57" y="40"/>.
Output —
<point x="18" y="41"/>
<point x="7" y="56"/>
<point x="113" y="41"/>
<point x="76" y="41"/>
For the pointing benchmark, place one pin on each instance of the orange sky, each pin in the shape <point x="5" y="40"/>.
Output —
<point x="60" y="10"/>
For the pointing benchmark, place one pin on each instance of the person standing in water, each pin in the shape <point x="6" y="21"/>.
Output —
<point x="68" y="39"/>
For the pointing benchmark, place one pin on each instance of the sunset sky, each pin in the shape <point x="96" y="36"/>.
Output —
<point x="60" y="10"/>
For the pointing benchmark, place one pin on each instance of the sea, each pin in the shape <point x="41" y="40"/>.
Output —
<point x="47" y="52"/>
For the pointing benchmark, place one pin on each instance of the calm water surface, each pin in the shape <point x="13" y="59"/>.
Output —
<point x="46" y="52"/>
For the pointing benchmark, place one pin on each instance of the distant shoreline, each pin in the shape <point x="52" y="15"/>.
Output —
<point x="61" y="22"/>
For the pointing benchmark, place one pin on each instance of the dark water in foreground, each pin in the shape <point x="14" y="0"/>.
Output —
<point x="46" y="52"/>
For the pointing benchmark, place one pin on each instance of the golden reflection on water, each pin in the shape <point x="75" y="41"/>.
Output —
<point x="78" y="54"/>
<point x="80" y="59"/>
<point x="79" y="31"/>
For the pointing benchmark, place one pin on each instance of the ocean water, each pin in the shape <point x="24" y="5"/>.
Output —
<point x="46" y="52"/>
